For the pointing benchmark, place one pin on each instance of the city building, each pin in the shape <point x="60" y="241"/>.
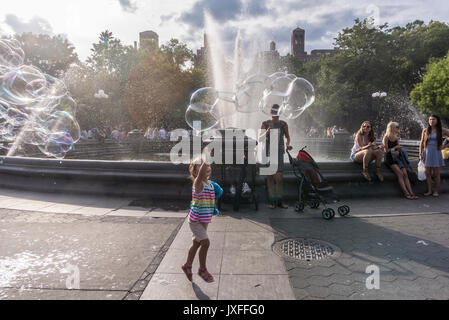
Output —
<point x="298" y="41"/>
<point x="201" y="54"/>
<point x="267" y="61"/>
<point x="149" y="39"/>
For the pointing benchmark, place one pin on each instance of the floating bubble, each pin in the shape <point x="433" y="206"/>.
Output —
<point x="17" y="85"/>
<point x="204" y="100"/>
<point x="259" y="92"/>
<point x="271" y="98"/>
<point x="200" y="121"/>
<point x="11" y="55"/>
<point x="281" y="84"/>
<point x="61" y="123"/>
<point x="53" y="147"/>
<point x="250" y="92"/>
<point x="35" y="108"/>
<point x="56" y="87"/>
<point x="276" y="75"/>
<point x="225" y="106"/>
<point x="301" y="95"/>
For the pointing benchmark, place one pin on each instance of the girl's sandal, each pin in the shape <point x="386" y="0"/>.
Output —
<point x="409" y="197"/>
<point x="188" y="272"/>
<point x="379" y="174"/>
<point x="203" y="273"/>
<point x="366" y="175"/>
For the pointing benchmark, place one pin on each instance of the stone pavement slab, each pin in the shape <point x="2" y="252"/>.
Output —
<point x="42" y="294"/>
<point x="240" y="259"/>
<point x="411" y="253"/>
<point x="107" y="254"/>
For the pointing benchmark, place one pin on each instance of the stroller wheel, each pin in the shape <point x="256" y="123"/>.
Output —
<point x="344" y="211"/>
<point x="299" y="207"/>
<point x="314" y="204"/>
<point x="328" y="214"/>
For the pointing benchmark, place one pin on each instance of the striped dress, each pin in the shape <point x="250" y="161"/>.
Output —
<point x="203" y="204"/>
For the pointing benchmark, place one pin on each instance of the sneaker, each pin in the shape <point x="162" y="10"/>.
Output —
<point x="246" y="189"/>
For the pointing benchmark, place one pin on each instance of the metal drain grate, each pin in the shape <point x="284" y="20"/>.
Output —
<point x="307" y="250"/>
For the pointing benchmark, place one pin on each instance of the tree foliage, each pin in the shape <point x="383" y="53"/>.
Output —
<point x="432" y="94"/>
<point x="52" y="55"/>
<point x="372" y="59"/>
<point x="156" y="91"/>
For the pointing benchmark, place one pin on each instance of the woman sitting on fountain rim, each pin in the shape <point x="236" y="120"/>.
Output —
<point x="397" y="159"/>
<point x="366" y="150"/>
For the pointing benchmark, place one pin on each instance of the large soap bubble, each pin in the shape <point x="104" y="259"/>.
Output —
<point x="249" y="93"/>
<point x="257" y="93"/>
<point x="200" y="121"/>
<point x="204" y="100"/>
<point x="35" y="108"/>
<point x="11" y="54"/>
<point x="301" y="95"/>
<point x="270" y="98"/>
<point x="200" y="113"/>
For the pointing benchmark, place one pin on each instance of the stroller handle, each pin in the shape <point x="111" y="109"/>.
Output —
<point x="288" y="151"/>
<point x="290" y="156"/>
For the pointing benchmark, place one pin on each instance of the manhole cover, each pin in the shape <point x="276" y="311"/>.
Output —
<point x="306" y="250"/>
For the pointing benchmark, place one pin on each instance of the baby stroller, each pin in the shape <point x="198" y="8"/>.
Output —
<point x="313" y="189"/>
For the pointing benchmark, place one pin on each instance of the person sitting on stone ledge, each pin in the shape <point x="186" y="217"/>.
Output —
<point x="366" y="150"/>
<point x="445" y="151"/>
<point x="396" y="158"/>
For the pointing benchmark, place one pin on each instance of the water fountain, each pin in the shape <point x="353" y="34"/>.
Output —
<point x="49" y="125"/>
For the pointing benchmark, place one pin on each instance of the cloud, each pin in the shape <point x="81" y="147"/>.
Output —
<point x="128" y="6"/>
<point x="220" y="10"/>
<point x="36" y="25"/>
<point x="166" y="18"/>
<point x="256" y="8"/>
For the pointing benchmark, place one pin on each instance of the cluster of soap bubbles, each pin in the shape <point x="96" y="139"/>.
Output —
<point x="258" y="93"/>
<point x="35" y="108"/>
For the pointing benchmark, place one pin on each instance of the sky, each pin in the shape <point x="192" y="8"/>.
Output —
<point x="259" y="21"/>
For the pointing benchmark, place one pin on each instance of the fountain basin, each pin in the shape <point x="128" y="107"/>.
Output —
<point x="163" y="180"/>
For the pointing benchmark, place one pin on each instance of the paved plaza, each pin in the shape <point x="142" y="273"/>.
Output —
<point x="80" y="247"/>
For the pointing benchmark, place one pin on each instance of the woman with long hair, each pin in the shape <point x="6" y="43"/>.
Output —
<point x="366" y="150"/>
<point x="398" y="164"/>
<point x="430" y="152"/>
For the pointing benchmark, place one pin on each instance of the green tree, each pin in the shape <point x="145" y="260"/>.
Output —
<point x="178" y="53"/>
<point x="156" y="90"/>
<point x="432" y="94"/>
<point x="371" y="60"/>
<point x="52" y="55"/>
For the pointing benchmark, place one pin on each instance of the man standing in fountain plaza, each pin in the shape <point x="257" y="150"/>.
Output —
<point x="276" y="194"/>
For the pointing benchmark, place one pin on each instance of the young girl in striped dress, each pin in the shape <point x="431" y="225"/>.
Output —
<point x="202" y="209"/>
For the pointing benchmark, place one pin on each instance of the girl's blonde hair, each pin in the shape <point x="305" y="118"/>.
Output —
<point x="390" y="134"/>
<point x="193" y="168"/>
